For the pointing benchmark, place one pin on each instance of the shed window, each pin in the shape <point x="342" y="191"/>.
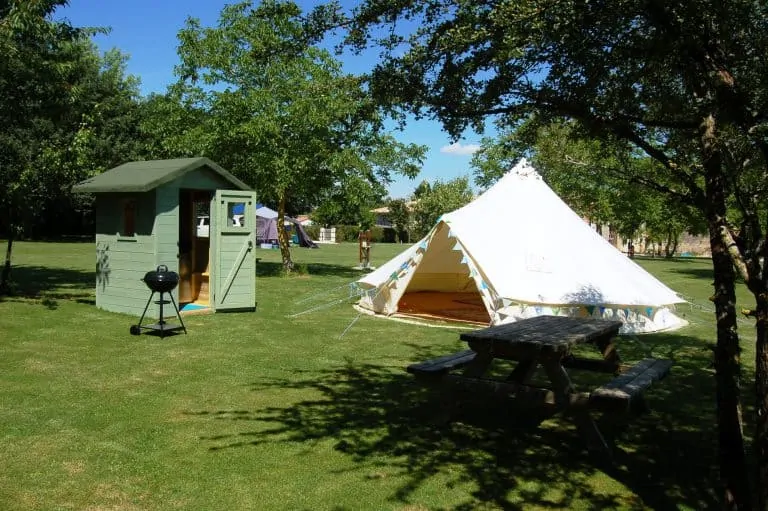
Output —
<point x="236" y="215"/>
<point x="129" y="217"/>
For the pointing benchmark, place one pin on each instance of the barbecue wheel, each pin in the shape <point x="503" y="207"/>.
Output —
<point x="135" y="330"/>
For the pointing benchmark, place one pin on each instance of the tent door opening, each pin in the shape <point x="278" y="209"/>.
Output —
<point x="194" y="246"/>
<point x="465" y="307"/>
<point x="441" y="286"/>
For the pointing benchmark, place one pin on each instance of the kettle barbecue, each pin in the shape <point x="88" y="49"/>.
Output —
<point x="162" y="281"/>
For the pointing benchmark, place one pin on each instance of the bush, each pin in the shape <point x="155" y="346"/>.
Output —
<point x="377" y="234"/>
<point x="349" y="233"/>
<point x="389" y="236"/>
<point x="313" y="231"/>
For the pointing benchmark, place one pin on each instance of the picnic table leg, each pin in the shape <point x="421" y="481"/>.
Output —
<point x="450" y="399"/>
<point x="523" y="371"/>
<point x="479" y="366"/>
<point x="562" y="386"/>
<point x="608" y="350"/>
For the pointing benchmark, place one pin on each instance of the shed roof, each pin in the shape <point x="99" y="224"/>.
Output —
<point x="142" y="176"/>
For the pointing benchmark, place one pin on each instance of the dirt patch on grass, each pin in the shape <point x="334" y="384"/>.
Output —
<point x="35" y="365"/>
<point x="112" y="498"/>
<point x="73" y="467"/>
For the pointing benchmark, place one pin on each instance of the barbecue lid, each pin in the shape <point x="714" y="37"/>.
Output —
<point x="161" y="279"/>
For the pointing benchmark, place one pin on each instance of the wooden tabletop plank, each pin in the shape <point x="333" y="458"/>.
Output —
<point x="545" y="331"/>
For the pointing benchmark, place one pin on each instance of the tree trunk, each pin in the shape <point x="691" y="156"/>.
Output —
<point x="282" y="236"/>
<point x="5" y="278"/>
<point x="761" y="390"/>
<point x="733" y="469"/>
<point x="671" y="245"/>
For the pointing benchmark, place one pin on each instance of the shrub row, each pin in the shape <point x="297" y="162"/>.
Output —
<point x="350" y="233"/>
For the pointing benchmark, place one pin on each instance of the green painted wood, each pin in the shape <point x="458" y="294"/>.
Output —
<point x="233" y="268"/>
<point x="109" y="212"/>
<point x="142" y="176"/>
<point x="123" y="260"/>
<point x="120" y="266"/>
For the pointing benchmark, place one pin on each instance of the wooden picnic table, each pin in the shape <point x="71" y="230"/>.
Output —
<point x="548" y="342"/>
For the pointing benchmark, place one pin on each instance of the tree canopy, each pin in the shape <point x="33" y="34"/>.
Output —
<point x="65" y="112"/>
<point x="281" y="114"/>
<point x="685" y="82"/>
<point x="440" y="198"/>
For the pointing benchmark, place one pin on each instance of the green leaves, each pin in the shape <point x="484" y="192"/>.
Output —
<point x="279" y="112"/>
<point x="441" y="197"/>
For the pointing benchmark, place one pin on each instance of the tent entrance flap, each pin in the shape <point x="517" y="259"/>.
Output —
<point x="454" y="306"/>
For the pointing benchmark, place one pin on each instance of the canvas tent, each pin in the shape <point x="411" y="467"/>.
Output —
<point x="518" y="251"/>
<point x="266" y="228"/>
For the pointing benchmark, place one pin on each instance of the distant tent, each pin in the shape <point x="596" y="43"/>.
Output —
<point x="266" y="228"/>
<point x="518" y="251"/>
<point x="266" y="225"/>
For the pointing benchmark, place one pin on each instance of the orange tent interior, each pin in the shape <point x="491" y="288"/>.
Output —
<point x="462" y="307"/>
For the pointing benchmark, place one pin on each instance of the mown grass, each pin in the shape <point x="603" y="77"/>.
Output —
<point x="277" y="410"/>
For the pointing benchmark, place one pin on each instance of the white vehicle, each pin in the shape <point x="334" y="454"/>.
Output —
<point x="203" y="226"/>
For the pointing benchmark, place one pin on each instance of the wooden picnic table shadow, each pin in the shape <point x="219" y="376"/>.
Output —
<point x="666" y="459"/>
<point x="47" y="286"/>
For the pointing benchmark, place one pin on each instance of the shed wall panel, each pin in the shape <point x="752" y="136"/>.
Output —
<point x="167" y="228"/>
<point x="120" y="265"/>
<point x="110" y="207"/>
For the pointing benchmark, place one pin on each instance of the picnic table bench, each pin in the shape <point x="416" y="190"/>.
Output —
<point x="547" y="342"/>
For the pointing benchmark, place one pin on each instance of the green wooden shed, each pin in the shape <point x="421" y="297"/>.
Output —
<point x="188" y="214"/>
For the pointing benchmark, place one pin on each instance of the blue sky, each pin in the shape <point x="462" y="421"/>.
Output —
<point x="146" y="31"/>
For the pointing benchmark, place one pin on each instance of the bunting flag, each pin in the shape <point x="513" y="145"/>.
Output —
<point x="483" y="285"/>
<point x="538" y="309"/>
<point x="602" y="311"/>
<point x="423" y="245"/>
<point x="393" y="276"/>
<point x="450" y="234"/>
<point x="590" y="309"/>
<point x="626" y="313"/>
<point x="464" y="260"/>
<point x="457" y="246"/>
<point x="649" y="312"/>
<point x="506" y="302"/>
<point x="472" y="272"/>
<point x="556" y="311"/>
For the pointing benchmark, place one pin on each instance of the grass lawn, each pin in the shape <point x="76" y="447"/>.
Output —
<point x="267" y="411"/>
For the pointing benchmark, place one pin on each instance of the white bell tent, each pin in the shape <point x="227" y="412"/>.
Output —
<point x="518" y="251"/>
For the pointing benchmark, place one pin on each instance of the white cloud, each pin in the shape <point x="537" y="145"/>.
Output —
<point x="459" y="149"/>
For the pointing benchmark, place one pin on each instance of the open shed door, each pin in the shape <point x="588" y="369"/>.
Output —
<point x="233" y="255"/>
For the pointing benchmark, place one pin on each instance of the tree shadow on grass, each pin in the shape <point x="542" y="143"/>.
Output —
<point x="381" y="418"/>
<point x="698" y="273"/>
<point x="46" y="286"/>
<point x="270" y="269"/>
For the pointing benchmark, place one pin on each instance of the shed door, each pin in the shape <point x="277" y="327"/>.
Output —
<point x="233" y="256"/>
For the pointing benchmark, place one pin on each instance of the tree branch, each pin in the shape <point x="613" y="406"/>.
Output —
<point x="734" y="252"/>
